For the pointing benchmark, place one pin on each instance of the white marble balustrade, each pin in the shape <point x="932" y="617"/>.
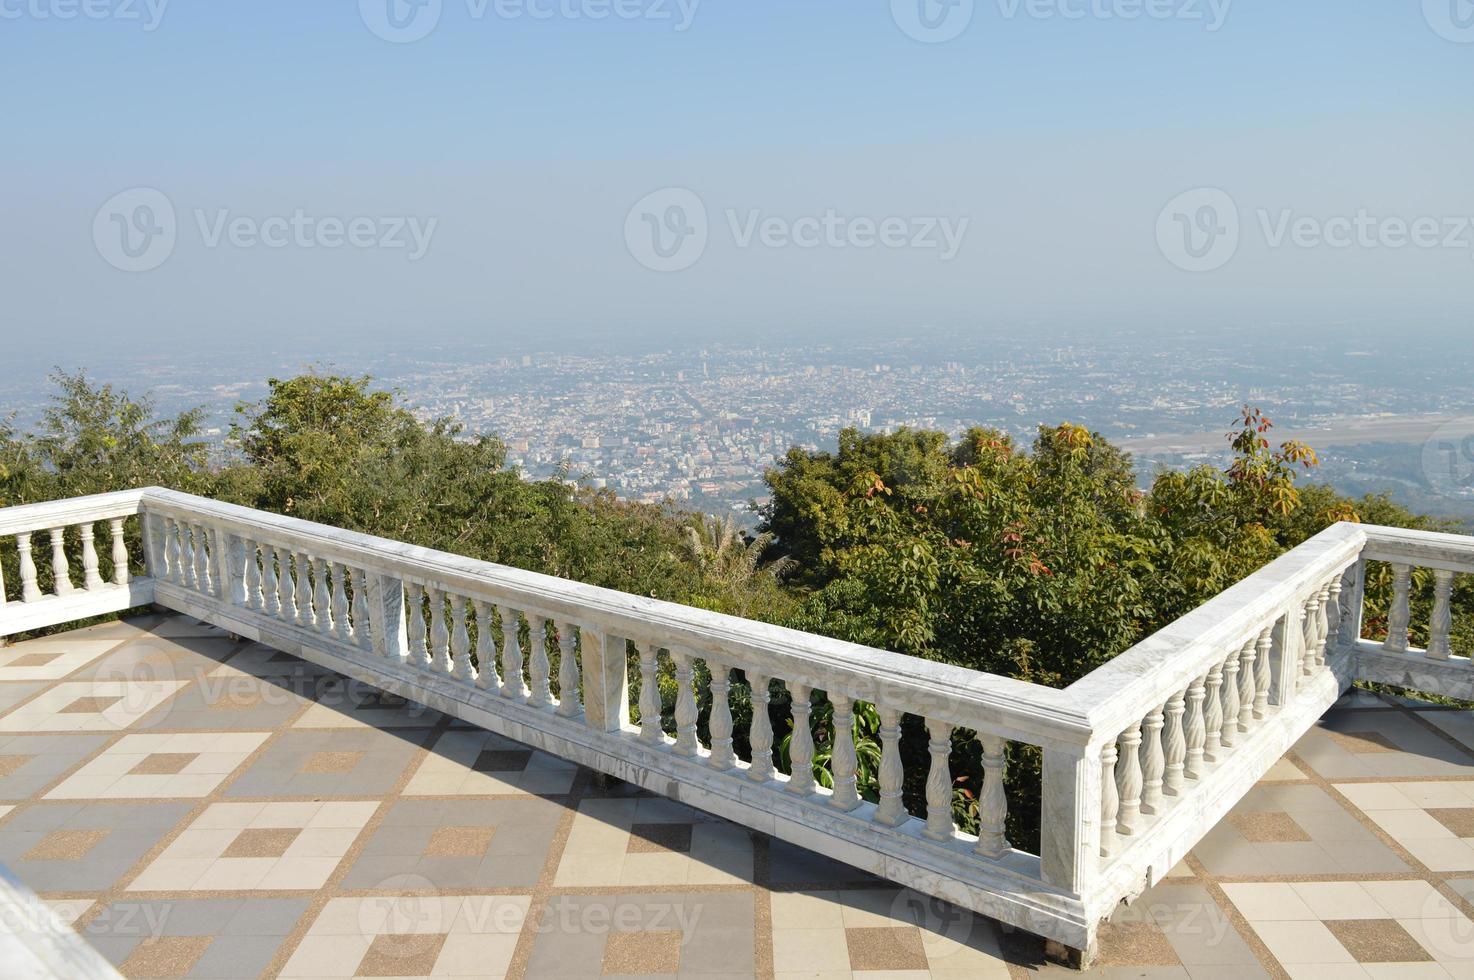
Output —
<point x="1140" y="758"/>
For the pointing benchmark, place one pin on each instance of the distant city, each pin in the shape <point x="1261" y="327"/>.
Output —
<point x="699" y="424"/>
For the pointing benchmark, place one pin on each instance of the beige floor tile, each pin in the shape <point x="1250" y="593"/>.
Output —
<point x="800" y="950"/>
<point x="1410" y="899"/>
<point x="1301" y="942"/>
<point x="229" y="874"/>
<point x="1456" y="793"/>
<point x="1339" y="900"/>
<point x="1410" y="825"/>
<point x="1449" y="940"/>
<point x="1324" y="971"/>
<point x="171" y="874"/>
<point x="326" y="956"/>
<point x="1269" y="902"/>
<point x="806" y="910"/>
<point x="1452" y="854"/>
<point x="474" y="955"/>
<point x="1376" y="796"/>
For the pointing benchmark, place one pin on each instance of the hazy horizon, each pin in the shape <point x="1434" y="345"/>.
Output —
<point x="505" y="164"/>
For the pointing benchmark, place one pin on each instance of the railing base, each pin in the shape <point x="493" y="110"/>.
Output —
<point x="1453" y="678"/>
<point x="20" y="617"/>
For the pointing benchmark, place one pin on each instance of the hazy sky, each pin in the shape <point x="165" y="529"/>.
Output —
<point x="308" y="168"/>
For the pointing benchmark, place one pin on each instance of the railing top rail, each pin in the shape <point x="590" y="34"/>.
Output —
<point x="64" y="513"/>
<point x="1428" y="549"/>
<point x="1122" y="691"/>
<point x="1002" y="705"/>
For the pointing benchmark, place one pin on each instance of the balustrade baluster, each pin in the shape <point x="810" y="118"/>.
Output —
<point x="120" y="552"/>
<point x="91" y="578"/>
<point x="1322" y="624"/>
<point x="486" y="678"/>
<point x="993" y="801"/>
<point x="439" y="634"/>
<point x="286" y="590"/>
<point x="720" y="722"/>
<point x="204" y="580"/>
<point x="1213" y="715"/>
<point x="1110" y="800"/>
<point x="650" y="731"/>
<point x="63" y="583"/>
<point x="1398" y="617"/>
<point x="1308" y="660"/>
<point x="270" y="584"/>
<point x="460" y="640"/>
<point x="842" y="761"/>
<point x="512" y="686"/>
<point x="1174" y="745"/>
<point x="1128" y="781"/>
<point x="1333" y="610"/>
<point x="1194" y="729"/>
<point x="419" y="653"/>
<point x="892" y="809"/>
<point x="1153" y="762"/>
<point x="1442" y="622"/>
<point x="939" y="781"/>
<point x="1229" y="734"/>
<point x="801" y="745"/>
<point x="303" y="572"/>
<point x="538" y="668"/>
<point x="686" y="743"/>
<point x="174" y="553"/>
<point x="1261" y="672"/>
<point x="567" y="670"/>
<point x="1247" y="656"/>
<point x="338" y="602"/>
<point x="29" y="589"/>
<point x="362" y="621"/>
<point x="250" y="575"/>
<point x="761" y="735"/>
<point x="322" y="598"/>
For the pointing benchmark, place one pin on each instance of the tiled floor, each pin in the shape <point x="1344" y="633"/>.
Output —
<point x="198" y="806"/>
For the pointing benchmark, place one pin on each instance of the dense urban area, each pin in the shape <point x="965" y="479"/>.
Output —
<point x="698" y="424"/>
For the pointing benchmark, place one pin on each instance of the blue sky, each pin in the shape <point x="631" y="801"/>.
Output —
<point x="528" y="141"/>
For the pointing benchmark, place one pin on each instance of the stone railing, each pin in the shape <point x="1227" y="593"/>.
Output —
<point x="1140" y="758"/>
<point x="52" y="589"/>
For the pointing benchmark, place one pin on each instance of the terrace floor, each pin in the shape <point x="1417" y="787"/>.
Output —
<point x="199" y="806"/>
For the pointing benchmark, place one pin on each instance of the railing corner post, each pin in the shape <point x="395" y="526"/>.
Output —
<point x="1289" y="641"/>
<point x="389" y="636"/>
<point x="1069" y="832"/>
<point x="606" y="703"/>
